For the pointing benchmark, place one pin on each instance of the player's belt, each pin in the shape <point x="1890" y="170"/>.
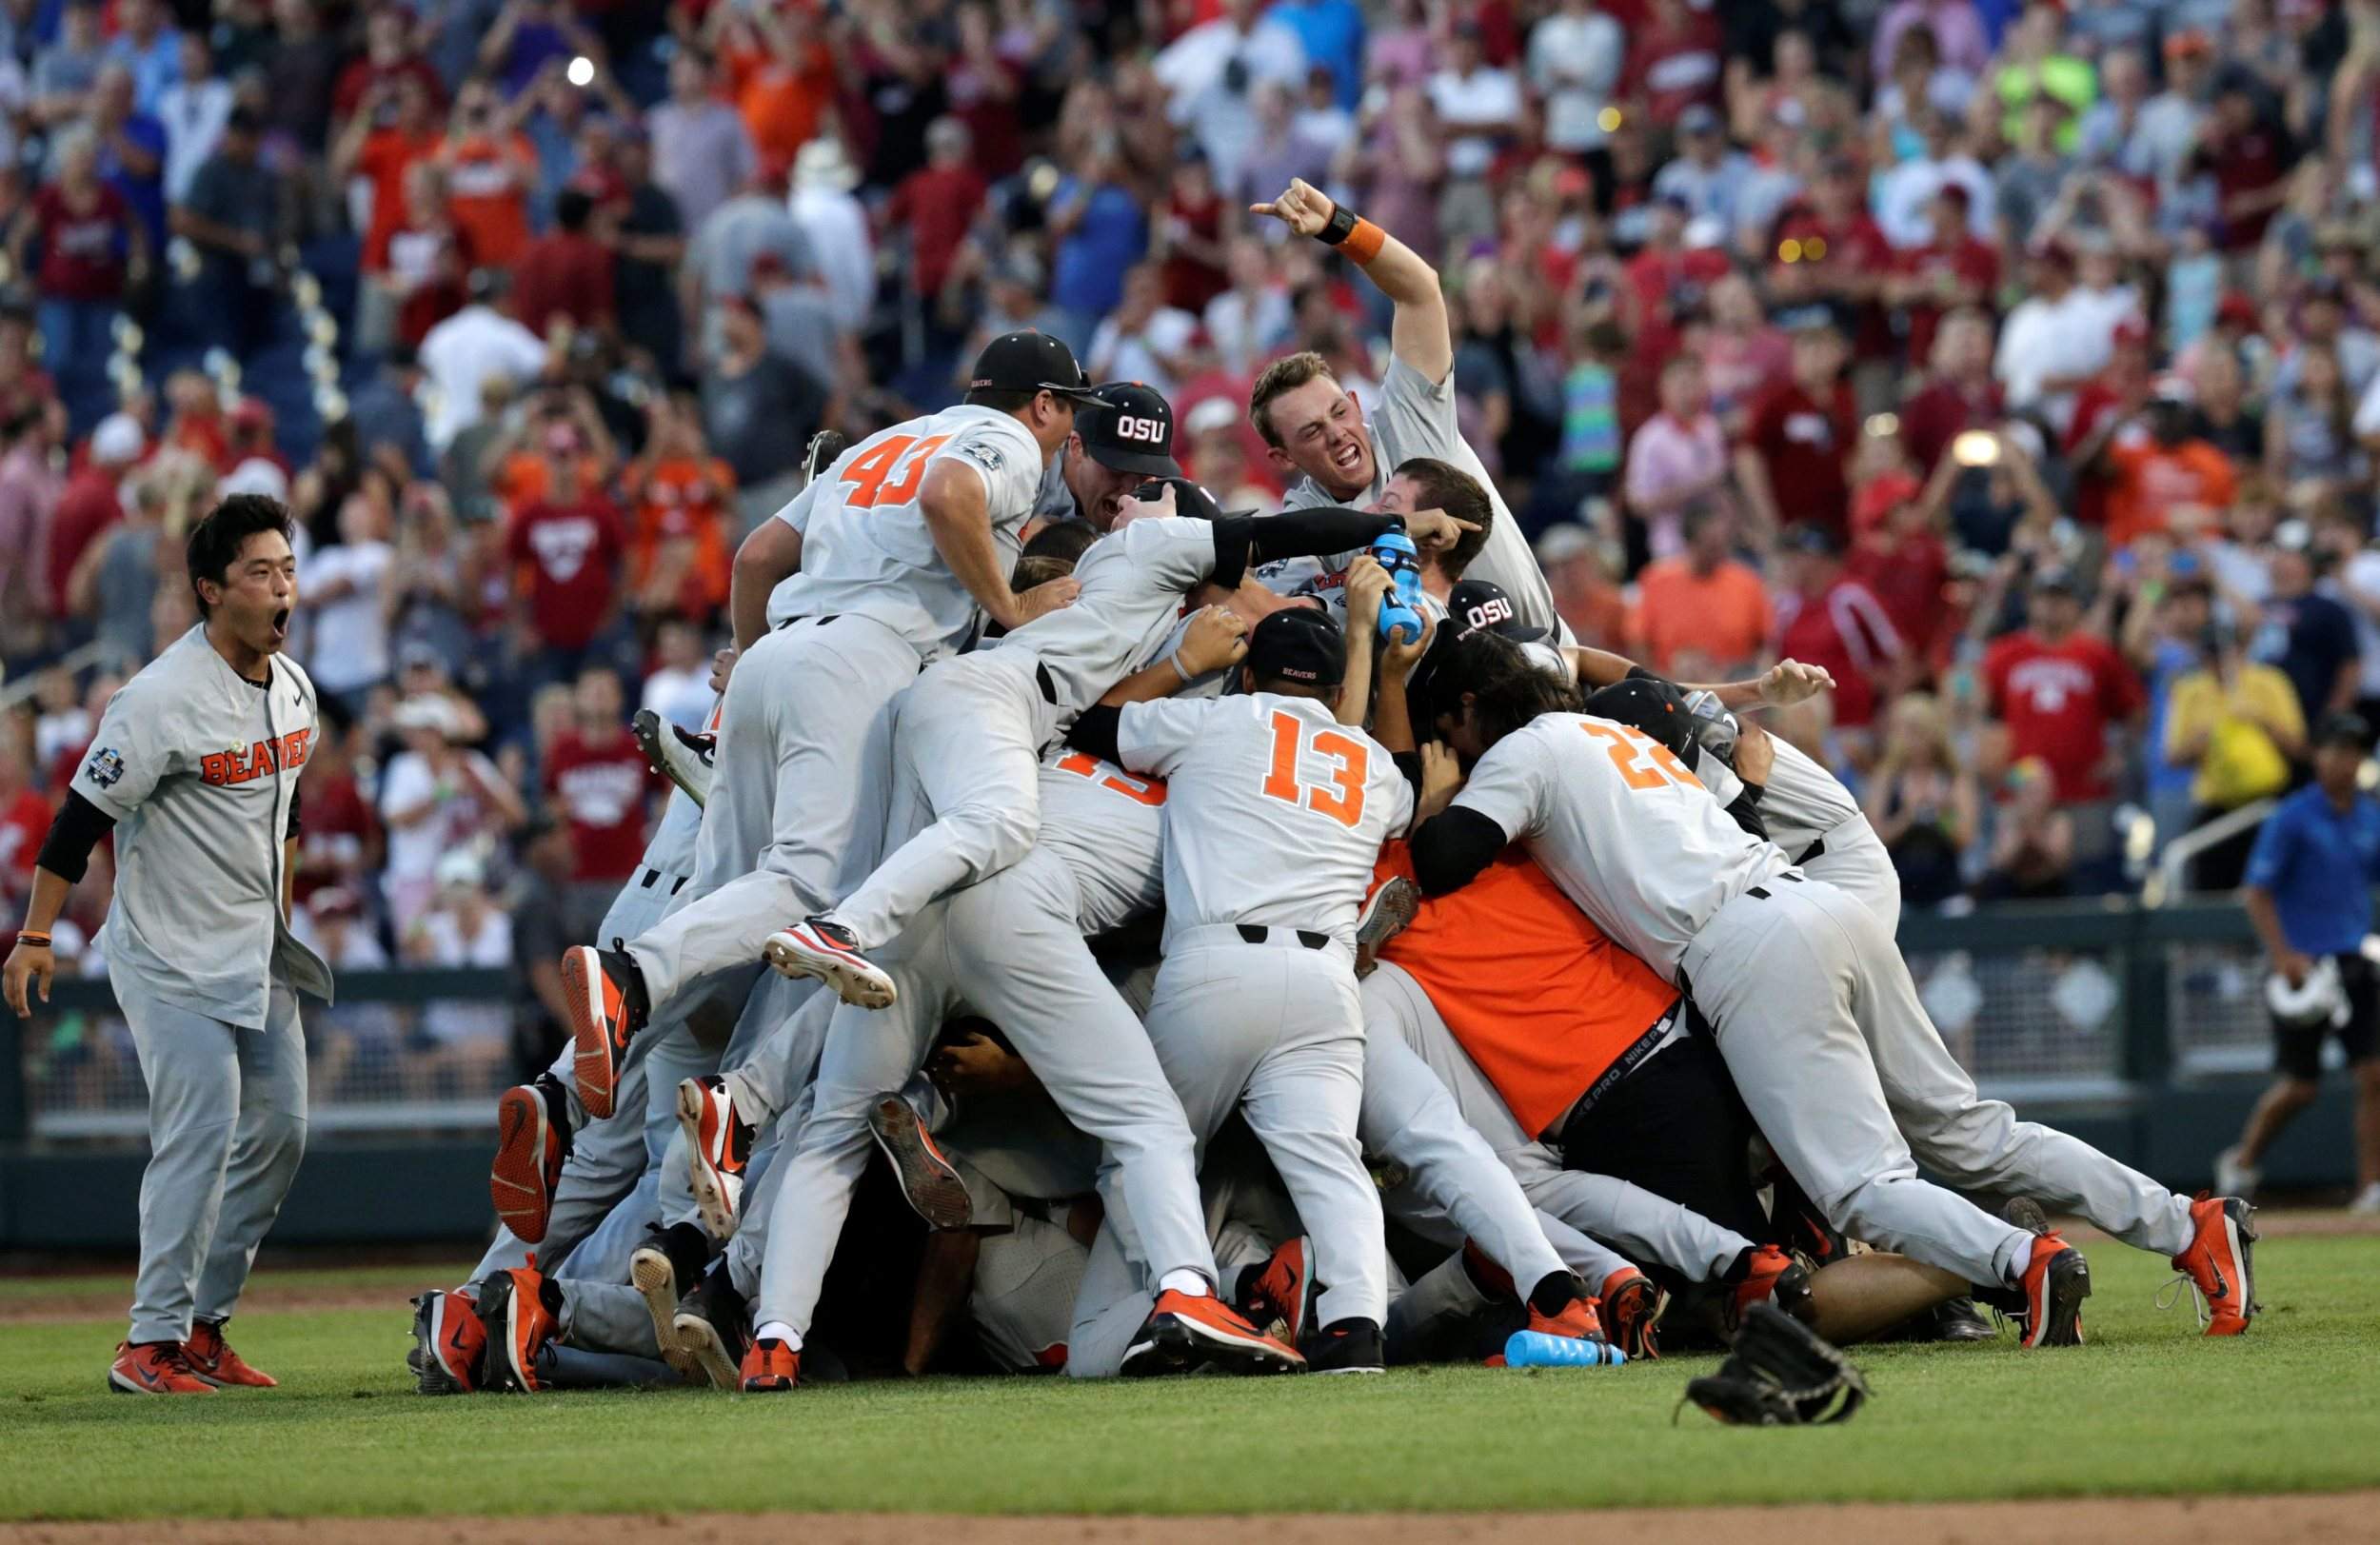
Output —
<point x="820" y="620"/>
<point x="1655" y="1035"/>
<point x="1258" y="933"/>
<point x="1049" y="687"/>
<point x="1815" y="851"/>
<point x="654" y="877"/>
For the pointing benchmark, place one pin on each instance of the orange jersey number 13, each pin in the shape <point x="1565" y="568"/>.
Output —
<point x="1643" y="761"/>
<point x="868" y="474"/>
<point x="1342" y="798"/>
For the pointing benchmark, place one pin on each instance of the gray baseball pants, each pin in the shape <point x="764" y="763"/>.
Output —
<point x="227" y="1127"/>
<point x="796" y="803"/>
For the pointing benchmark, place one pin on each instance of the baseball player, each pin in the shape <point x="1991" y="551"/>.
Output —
<point x="1274" y="812"/>
<point x="1012" y="949"/>
<point x="1810" y="1005"/>
<point x="1418" y="484"/>
<point x="906" y="545"/>
<point x="1316" y="434"/>
<point x="967" y="736"/>
<point x="195" y="766"/>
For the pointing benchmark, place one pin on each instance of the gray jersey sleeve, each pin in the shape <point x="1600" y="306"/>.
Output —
<point x="1154" y="737"/>
<point x="131" y="751"/>
<point x="1509" y="787"/>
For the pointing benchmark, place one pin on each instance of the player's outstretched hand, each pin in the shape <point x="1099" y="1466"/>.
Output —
<point x="1789" y="682"/>
<point x="1756" y="754"/>
<point x="1048" y="596"/>
<point x="1433" y="530"/>
<point x="1441" y="780"/>
<point x="29" y="968"/>
<point x="973" y="1063"/>
<point x="1301" y="206"/>
<point x="1367" y="586"/>
<point x="1398" y="657"/>
<point x="1215" y="640"/>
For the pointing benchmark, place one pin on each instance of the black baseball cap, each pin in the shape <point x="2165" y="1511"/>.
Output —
<point x="1476" y="604"/>
<point x="1656" y="707"/>
<point x="1030" y="361"/>
<point x="1300" y="645"/>
<point x="2344" y="730"/>
<point x="1131" y="429"/>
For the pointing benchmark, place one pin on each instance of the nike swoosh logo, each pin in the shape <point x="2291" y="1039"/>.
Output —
<point x="456" y="1341"/>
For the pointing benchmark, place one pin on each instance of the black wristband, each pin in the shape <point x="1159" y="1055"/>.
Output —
<point x="1342" y="226"/>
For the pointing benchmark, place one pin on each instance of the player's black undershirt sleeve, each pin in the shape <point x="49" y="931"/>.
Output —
<point x="1094" y="731"/>
<point x="295" y="797"/>
<point x="1409" y="763"/>
<point x="1746" y="811"/>
<point x="1243" y="540"/>
<point x="73" y="832"/>
<point x="1451" y="847"/>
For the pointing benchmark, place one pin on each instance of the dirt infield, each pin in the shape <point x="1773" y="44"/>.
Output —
<point x="2243" y="1521"/>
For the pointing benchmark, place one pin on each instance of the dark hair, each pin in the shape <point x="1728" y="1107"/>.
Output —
<point x="1444" y="485"/>
<point x="215" y="542"/>
<point x="572" y="207"/>
<point x="1066" y="540"/>
<point x="1002" y="399"/>
<point x="1507" y="691"/>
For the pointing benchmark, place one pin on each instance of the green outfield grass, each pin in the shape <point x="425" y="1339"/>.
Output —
<point x="2145" y="1408"/>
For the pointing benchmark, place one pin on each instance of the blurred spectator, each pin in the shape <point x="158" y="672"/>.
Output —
<point x="489" y="168"/>
<point x="1190" y="235"/>
<point x="1708" y="176"/>
<point x="148" y="48"/>
<point x="1703" y="607"/>
<point x="678" y="687"/>
<point x="30" y="490"/>
<point x="339" y="846"/>
<point x="89" y="505"/>
<point x="91" y="247"/>
<point x="1793" y="461"/>
<point x="648" y="234"/>
<point x="65" y="70"/>
<point x="1676" y="458"/>
<point x="436" y="797"/>
<point x="1251" y="318"/>
<point x="132" y="149"/>
<point x="299" y="58"/>
<point x="1922" y="801"/>
<point x="2032" y="840"/>
<point x="702" y="152"/>
<point x="468" y="1038"/>
<point x="2165" y="479"/>
<point x="476" y="345"/>
<point x="758" y="412"/>
<point x="836" y="226"/>
<point x="1575" y="58"/>
<point x="234" y="217"/>
<point x="1830" y="618"/>
<point x="681" y="499"/>
<point x="345" y="591"/>
<point x="2067" y="702"/>
<point x="1144" y="339"/>
<point x="565" y="274"/>
<point x="779" y="74"/>
<point x="2308" y="636"/>
<point x="24" y="822"/>
<point x="597" y="779"/>
<point x="391" y="54"/>
<point x="572" y="541"/>
<point x="391" y="133"/>
<point x="193" y="110"/>
<point x="1211" y="70"/>
<point x="2237" y="725"/>
<point x="1101" y="232"/>
<point x="115" y="580"/>
<point x="1281" y="150"/>
<point x="937" y="204"/>
<point x="728" y="243"/>
<point x="1674" y="61"/>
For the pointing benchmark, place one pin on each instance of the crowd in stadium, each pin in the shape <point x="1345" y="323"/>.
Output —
<point x="2019" y="366"/>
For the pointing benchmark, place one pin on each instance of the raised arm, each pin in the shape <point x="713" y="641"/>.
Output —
<point x="1419" y="332"/>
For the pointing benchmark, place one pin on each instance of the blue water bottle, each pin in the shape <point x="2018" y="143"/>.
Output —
<point x="1401" y="622"/>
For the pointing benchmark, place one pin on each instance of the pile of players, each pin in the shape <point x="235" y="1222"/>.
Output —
<point x="1172" y="927"/>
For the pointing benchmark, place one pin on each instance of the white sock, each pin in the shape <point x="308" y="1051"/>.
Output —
<point x="1186" y="1282"/>
<point x="777" y="1330"/>
<point x="2021" y="1261"/>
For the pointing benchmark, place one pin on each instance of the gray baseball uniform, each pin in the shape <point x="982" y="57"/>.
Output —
<point x="1274" y="815"/>
<point x="968" y="736"/>
<point x="1812" y="1007"/>
<point x="1012" y="950"/>
<point x="1416" y="417"/>
<point x="794" y="813"/>
<point x="1813" y="816"/>
<point x="198" y="767"/>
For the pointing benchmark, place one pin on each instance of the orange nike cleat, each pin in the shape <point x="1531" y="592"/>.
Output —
<point x="213" y="1360"/>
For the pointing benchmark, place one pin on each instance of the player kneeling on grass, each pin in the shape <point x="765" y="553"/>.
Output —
<point x="1810" y="1005"/>
<point x="196" y="768"/>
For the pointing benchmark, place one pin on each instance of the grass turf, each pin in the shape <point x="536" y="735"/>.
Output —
<point x="2147" y="1408"/>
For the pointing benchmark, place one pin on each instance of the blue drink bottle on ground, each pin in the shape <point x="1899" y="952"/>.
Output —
<point x="1401" y="622"/>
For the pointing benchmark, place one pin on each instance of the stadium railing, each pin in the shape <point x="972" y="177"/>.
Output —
<point x="2046" y="1002"/>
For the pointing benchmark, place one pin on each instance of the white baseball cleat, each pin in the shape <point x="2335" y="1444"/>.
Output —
<point x="718" y="1142"/>
<point x="817" y="947"/>
<point x="683" y="758"/>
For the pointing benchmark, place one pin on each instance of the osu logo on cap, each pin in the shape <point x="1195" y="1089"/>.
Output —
<point x="1486" y="612"/>
<point x="1132" y="426"/>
